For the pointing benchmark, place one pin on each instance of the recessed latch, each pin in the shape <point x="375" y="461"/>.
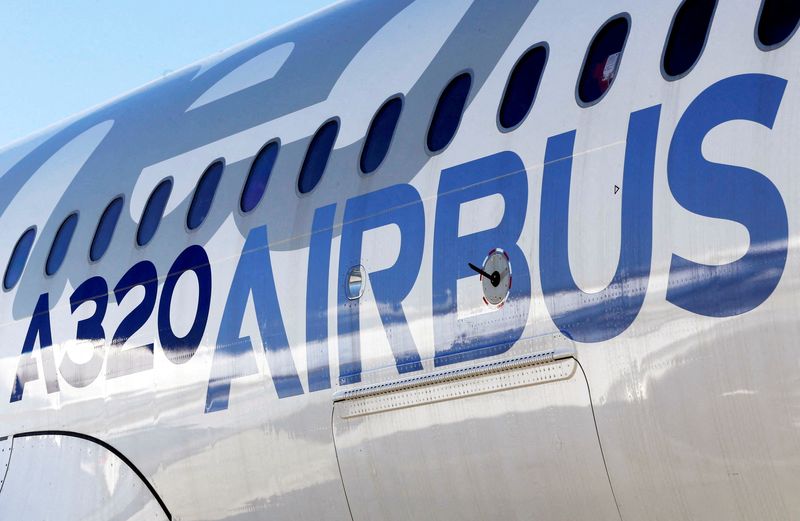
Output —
<point x="355" y="283"/>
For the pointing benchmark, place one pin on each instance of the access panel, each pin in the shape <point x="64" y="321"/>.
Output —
<point x="64" y="476"/>
<point x="513" y="439"/>
<point x="5" y="457"/>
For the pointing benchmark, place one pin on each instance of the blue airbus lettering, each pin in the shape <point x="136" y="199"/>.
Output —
<point x="391" y="285"/>
<point x="698" y="185"/>
<point x="595" y="317"/>
<point x="485" y="335"/>
<point x="728" y="192"/>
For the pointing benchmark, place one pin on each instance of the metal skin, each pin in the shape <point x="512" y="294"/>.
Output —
<point x="643" y="366"/>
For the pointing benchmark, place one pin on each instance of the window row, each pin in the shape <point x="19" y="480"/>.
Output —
<point x="777" y="22"/>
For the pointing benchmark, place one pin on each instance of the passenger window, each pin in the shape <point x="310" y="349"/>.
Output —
<point x="688" y="36"/>
<point x="204" y="195"/>
<point x="447" y="115"/>
<point x="19" y="256"/>
<point x="58" y="251"/>
<point x="602" y="60"/>
<point x="317" y="156"/>
<point x="256" y="182"/>
<point x="105" y="229"/>
<point x="380" y="133"/>
<point x="777" y="22"/>
<point x="522" y="87"/>
<point x="153" y="211"/>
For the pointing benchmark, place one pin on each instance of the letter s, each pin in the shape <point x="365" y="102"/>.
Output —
<point x="728" y="192"/>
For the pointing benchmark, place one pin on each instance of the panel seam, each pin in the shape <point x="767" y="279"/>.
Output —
<point x="109" y="447"/>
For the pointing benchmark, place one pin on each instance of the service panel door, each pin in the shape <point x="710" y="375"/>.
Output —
<point x="510" y="440"/>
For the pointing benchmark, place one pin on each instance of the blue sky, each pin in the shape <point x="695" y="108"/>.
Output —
<point x="59" y="58"/>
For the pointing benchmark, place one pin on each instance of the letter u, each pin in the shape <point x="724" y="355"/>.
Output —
<point x="599" y="316"/>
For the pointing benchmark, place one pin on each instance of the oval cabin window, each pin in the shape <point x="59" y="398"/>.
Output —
<point x="523" y="83"/>
<point x="257" y="178"/>
<point x="60" y="246"/>
<point x="204" y="195"/>
<point x="379" y="136"/>
<point x="777" y="22"/>
<point x="447" y="115"/>
<point x="105" y="229"/>
<point x="688" y="36"/>
<point x="319" y="151"/>
<point x="19" y="256"/>
<point x="153" y="211"/>
<point x="603" y="60"/>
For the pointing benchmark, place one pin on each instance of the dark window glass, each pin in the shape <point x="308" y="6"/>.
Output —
<point x="522" y="86"/>
<point x="257" y="179"/>
<point x="105" y="229"/>
<point x="602" y="60"/>
<point x="448" y="112"/>
<point x="58" y="251"/>
<point x="153" y="211"/>
<point x="380" y="135"/>
<point x="777" y="21"/>
<point x="317" y="156"/>
<point x="688" y="35"/>
<point x="18" y="258"/>
<point x="204" y="195"/>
